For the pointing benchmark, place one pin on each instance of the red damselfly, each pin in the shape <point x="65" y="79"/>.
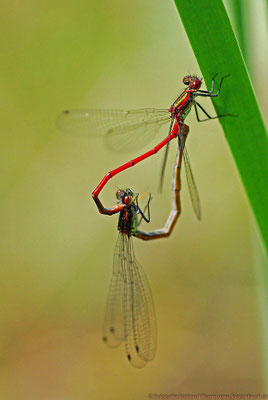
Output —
<point x="130" y="314"/>
<point x="129" y="130"/>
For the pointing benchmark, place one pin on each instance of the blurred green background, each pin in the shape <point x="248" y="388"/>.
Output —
<point x="56" y="250"/>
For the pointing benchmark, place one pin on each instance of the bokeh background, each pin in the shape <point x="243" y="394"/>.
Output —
<point x="56" y="251"/>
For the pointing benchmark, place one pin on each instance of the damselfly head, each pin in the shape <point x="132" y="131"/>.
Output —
<point x="193" y="81"/>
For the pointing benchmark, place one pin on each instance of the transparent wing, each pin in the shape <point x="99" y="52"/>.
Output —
<point x="113" y="330"/>
<point x="124" y="130"/>
<point x="130" y="315"/>
<point x="139" y="313"/>
<point x="191" y="184"/>
<point x="141" y="127"/>
<point x="164" y="162"/>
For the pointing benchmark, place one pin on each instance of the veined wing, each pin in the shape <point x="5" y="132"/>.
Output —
<point x="113" y="330"/>
<point x="191" y="184"/>
<point x="139" y="313"/>
<point x="130" y="315"/>
<point x="164" y="163"/>
<point x="118" y="125"/>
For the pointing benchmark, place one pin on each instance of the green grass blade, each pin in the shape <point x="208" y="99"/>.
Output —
<point x="239" y="9"/>
<point x="216" y="50"/>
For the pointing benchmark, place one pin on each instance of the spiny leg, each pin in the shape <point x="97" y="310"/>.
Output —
<point x="206" y="113"/>
<point x="208" y="93"/>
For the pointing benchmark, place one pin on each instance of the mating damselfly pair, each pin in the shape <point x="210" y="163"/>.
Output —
<point x="130" y="314"/>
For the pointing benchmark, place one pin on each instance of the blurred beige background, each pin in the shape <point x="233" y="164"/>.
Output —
<point x="56" y="250"/>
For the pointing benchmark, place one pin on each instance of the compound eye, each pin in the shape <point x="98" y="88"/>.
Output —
<point x="186" y="80"/>
<point x="126" y="199"/>
<point x="196" y="84"/>
<point x="118" y="194"/>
